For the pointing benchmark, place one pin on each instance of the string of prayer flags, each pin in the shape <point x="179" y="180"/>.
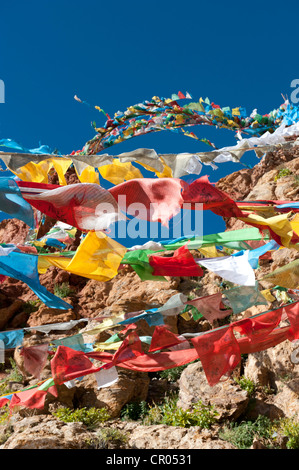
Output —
<point x="234" y="239"/>
<point x="219" y="351"/>
<point x="166" y="114"/>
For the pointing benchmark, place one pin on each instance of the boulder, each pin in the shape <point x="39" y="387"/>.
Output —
<point x="131" y="386"/>
<point x="45" y="315"/>
<point x="273" y="366"/>
<point x="228" y="399"/>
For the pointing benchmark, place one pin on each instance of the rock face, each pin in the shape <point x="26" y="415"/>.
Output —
<point x="165" y="437"/>
<point x="46" y="432"/>
<point x="43" y="432"/>
<point x="247" y="183"/>
<point x="227" y="398"/>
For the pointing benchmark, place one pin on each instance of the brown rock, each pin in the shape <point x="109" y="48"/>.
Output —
<point x="45" y="315"/>
<point x="8" y="312"/>
<point x="46" y="432"/>
<point x="227" y="397"/>
<point x="171" y="437"/>
<point x="131" y="386"/>
<point x="13" y="231"/>
<point x="274" y="365"/>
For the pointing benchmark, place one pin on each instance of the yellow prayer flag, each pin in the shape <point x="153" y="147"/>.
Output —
<point x="107" y="346"/>
<point x="209" y="252"/>
<point x="295" y="224"/>
<point x="89" y="175"/>
<point x="44" y="262"/>
<point x="280" y="225"/>
<point x="61" y="166"/>
<point x="104" y="325"/>
<point x="35" y="172"/>
<point x="268" y="296"/>
<point x="236" y="111"/>
<point x="186" y="316"/>
<point x="98" y="257"/>
<point x="118" y="172"/>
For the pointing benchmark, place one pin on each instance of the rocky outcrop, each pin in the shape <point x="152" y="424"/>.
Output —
<point x="243" y="184"/>
<point x="46" y="432"/>
<point x="172" y="437"/>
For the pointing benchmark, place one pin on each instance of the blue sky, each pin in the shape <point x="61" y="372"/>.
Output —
<point x="116" y="54"/>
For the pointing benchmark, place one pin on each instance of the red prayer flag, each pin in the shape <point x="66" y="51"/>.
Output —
<point x="35" y="358"/>
<point x="203" y="192"/>
<point x="152" y="362"/>
<point x="163" y="338"/>
<point x="277" y="336"/>
<point x="131" y="347"/>
<point x="131" y="326"/>
<point x="211" y="307"/>
<point x="180" y="264"/>
<point x="68" y="364"/>
<point x="292" y="311"/>
<point x="219" y="353"/>
<point x="3" y="401"/>
<point x="155" y="200"/>
<point x="32" y="398"/>
<point x="260" y="326"/>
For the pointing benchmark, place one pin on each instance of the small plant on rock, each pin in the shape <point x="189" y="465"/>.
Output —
<point x="63" y="290"/>
<point x="241" y="435"/>
<point x="14" y="376"/>
<point x="109" y="438"/>
<point x="288" y="427"/>
<point x="246" y="384"/>
<point x="134" y="411"/>
<point x="90" y="417"/>
<point x="170" y="414"/>
<point x="283" y="172"/>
